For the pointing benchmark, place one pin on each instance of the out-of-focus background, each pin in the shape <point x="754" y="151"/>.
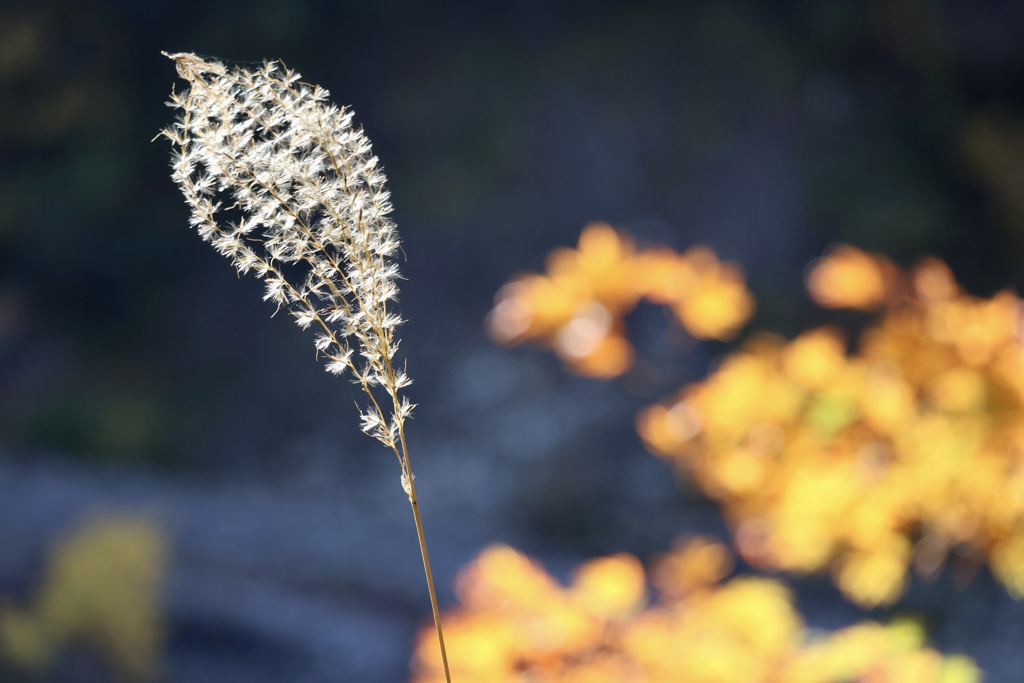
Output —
<point x="157" y="424"/>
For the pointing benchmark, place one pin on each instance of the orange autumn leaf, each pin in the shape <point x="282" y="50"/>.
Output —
<point x="847" y="277"/>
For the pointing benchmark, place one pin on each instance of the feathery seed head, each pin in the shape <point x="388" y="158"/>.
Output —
<point x="280" y="182"/>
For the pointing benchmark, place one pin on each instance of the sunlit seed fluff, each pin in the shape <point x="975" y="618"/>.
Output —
<point x="278" y="181"/>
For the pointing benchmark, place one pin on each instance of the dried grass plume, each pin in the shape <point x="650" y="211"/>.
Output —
<point x="279" y="181"/>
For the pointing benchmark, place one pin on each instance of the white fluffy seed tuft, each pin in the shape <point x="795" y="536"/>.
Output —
<point x="279" y="182"/>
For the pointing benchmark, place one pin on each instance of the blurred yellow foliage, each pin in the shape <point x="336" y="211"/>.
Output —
<point x="905" y="452"/>
<point x="850" y="278"/>
<point x="516" y="623"/>
<point x="101" y="588"/>
<point x="577" y="307"/>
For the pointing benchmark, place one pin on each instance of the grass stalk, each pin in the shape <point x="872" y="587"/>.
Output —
<point x="424" y="554"/>
<point x="280" y="182"/>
